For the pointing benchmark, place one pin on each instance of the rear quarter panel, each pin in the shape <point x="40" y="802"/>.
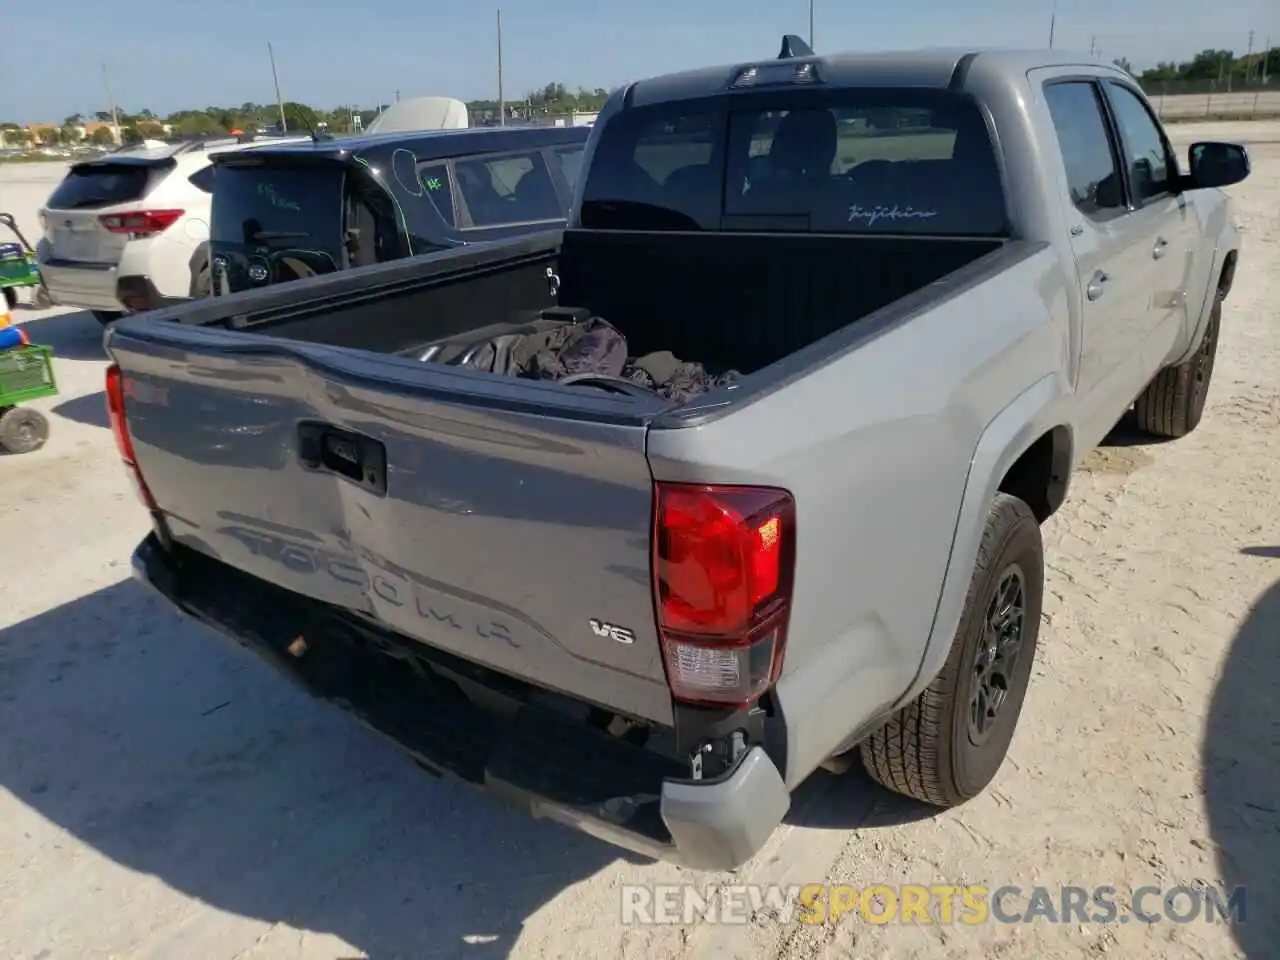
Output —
<point x="877" y="445"/>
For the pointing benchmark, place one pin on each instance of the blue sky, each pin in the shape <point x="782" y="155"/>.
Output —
<point x="167" y="54"/>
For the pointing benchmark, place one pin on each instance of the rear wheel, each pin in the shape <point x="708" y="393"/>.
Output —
<point x="945" y="746"/>
<point x="105" y="317"/>
<point x="1173" y="403"/>
<point x="23" y="430"/>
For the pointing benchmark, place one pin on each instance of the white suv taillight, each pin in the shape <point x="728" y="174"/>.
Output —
<point x="140" y="224"/>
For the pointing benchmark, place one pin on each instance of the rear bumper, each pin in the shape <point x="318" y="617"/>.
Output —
<point x="99" y="286"/>
<point x="89" y="286"/>
<point x="516" y="745"/>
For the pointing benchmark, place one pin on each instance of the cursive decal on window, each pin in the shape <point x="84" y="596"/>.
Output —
<point x="878" y="213"/>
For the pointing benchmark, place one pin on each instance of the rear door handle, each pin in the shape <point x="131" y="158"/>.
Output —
<point x="1161" y="248"/>
<point x="1097" y="286"/>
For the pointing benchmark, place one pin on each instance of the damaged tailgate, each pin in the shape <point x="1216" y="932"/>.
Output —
<point x="502" y="520"/>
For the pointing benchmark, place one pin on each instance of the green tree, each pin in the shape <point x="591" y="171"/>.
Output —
<point x="1207" y="65"/>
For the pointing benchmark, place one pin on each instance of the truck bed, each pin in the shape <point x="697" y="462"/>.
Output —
<point x="736" y="301"/>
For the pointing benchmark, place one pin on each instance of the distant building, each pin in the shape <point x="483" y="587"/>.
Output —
<point x="579" y="118"/>
<point x="35" y="133"/>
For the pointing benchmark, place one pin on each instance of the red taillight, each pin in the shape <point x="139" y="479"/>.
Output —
<point x="116" y="389"/>
<point x="140" y="223"/>
<point x="723" y="568"/>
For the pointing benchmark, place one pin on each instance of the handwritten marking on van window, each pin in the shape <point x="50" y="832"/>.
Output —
<point x="280" y="203"/>
<point x="876" y="214"/>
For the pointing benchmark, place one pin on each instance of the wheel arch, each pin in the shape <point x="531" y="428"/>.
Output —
<point x="1027" y="451"/>
<point x="1216" y="291"/>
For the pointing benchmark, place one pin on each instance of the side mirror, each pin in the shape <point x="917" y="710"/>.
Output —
<point x="1215" y="164"/>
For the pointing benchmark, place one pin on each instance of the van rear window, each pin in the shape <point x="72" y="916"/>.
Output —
<point x="878" y="161"/>
<point x="274" y="209"/>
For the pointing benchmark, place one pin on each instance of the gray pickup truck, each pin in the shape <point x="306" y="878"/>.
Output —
<point x="941" y="279"/>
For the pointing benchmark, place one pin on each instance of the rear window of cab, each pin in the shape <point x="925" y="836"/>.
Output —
<point x="875" y="161"/>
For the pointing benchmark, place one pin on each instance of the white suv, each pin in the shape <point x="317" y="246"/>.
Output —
<point x="127" y="231"/>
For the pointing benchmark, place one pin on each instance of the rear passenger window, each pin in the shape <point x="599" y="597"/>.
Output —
<point x="435" y="183"/>
<point x="1146" y="153"/>
<point x="508" y="189"/>
<point x="1093" y="176"/>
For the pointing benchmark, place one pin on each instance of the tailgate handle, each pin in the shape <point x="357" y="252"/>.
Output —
<point x="324" y="448"/>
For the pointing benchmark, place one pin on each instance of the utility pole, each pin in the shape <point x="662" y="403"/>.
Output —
<point x="811" y="3"/>
<point x="502" y="103"/>
<point x="111" y="102"/>
<point x="397" y="96"/>
<point x="1248" y="59"/>
<point x="1266" y="58"/>
<point x="1093" y="46"/>
<point x="275" y="77"/>
<point x="1053" y="22"/>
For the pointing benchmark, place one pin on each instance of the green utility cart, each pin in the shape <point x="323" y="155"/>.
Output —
<point x="18" y="266"/>
<point x="26" y="373"/>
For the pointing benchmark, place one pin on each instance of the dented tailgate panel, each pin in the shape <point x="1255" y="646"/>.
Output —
<point x="514" y="539"/>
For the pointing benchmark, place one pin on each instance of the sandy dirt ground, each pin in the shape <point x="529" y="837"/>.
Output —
<point x="163" y="796"/>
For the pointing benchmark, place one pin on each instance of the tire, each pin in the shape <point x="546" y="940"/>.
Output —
<point x="1173" y="403"/>
<point x="23" y="430"/>
<point x="932" y="750"/>
<point x="106" y="317"/>
<point x="10" y="298"/>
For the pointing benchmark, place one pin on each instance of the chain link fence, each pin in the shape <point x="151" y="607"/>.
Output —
<point x="1226" y="99"/>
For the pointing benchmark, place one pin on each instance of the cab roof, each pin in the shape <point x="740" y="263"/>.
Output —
<point x="935" y="68"/>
